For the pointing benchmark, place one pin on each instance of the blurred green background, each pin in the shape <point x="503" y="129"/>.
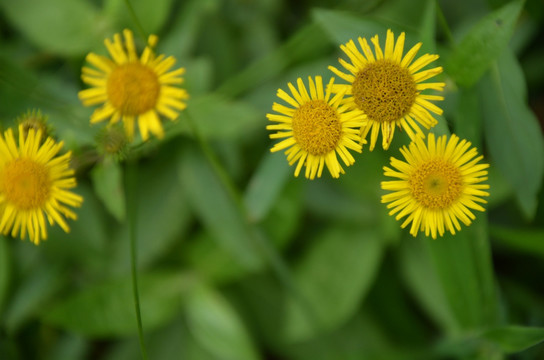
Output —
<point x="251" y="263"/>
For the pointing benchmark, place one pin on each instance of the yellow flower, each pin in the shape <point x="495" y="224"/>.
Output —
<point x="131" y="88"/>
<point x="316" y="128"/>
<point x="439" y="183"/>
<point x="34" y="185"/>
<point x="387" y="87"/>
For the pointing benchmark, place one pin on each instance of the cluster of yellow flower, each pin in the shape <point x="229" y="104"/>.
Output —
<point x="440" y="181"/>
<point x="35" y="182"/>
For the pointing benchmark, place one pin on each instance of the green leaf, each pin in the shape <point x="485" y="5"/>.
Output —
<point x="173" y="340"/>
<point x="108" y="184"/>
<point x="419" y="274"/>
<point x="217" y="208"/>
<point x="86" y="245"/>
<point x="491" y="343"/>
<point x="427" y="28"/>
<point x="284" y="218"/>
<point x="305" y="44"/>
<point x="68" y="347"/>
<point x="463" y="265"/>
<point x="217" y="327"/>
<point x="266" y="185"/>
<point x="107" y="309"/>
<point x="211" y="261"/>
<point x="64" y="27"/>
<point x="502" y="190"/>
<point x="5" y="271"/>
<point x="333" y="278"/>
<point x="27" y="300"/>
<point x="183" y="36"/>
<point x="343" y="26"/>
<point x="362" y="337"/>
<point x="217" y="117"/>
<point x="468" y="116"/>
<point x="513" y="136"/>
<point x="483" y="44"/>
<point x="151" y="14"/>
<point x="511" y="339"/>
<point x="527" y="240"/>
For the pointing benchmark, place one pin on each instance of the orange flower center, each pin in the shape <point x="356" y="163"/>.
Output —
<point x="436" y="184"/>
<point x="384" y="91"/>
<point x="133" y="88"/>
<point x="316" y="127"/>
<point x="25" y="184"/>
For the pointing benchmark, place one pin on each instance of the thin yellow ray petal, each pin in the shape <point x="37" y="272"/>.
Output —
<point x="279" y="118"/>
<point x="283" y="144"/>
<point x="129" y="43"/>
<point x="166" y="111"/>
<point x="422" y="62"/>
<point x="432" y="86"/>
<point x="301" y="162"/>
<point x="389" y="44"/>
<point x="295" y="93"/>
<point x="101" y="62"/>
<point x="143" y="125"/>
<point x="102" y="113"/>
<point x="287" y="98"/>
<point x="347" y="77"/>
<point x="356" y="58"/>
<point x="410" y="55"/>
<point x="377" y="49"/>
<point x="366" y="49"/>
<point x="399" y="48"/>
<point x="427" y="74"/>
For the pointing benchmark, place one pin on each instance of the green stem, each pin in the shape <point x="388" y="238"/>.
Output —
<point x="137" y="22"/>
<point x="131" y="186"/>
<point x="444" y="24"/>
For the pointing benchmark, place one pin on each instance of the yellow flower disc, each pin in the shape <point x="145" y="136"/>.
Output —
<point x="384" y="90"/>
<point x="436" y="184"/>
<point x="25" y="184"/>
<point x="133" y="88"/>
<point x="316" y="127"/>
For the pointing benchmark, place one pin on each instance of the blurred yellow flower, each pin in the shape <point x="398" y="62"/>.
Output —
<point x="34" y="185"/>
<point x="387" y="87"/>
<point x="439" y="183"/>
<point x="131" y="88"/>
<point x="316" y="128"/>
